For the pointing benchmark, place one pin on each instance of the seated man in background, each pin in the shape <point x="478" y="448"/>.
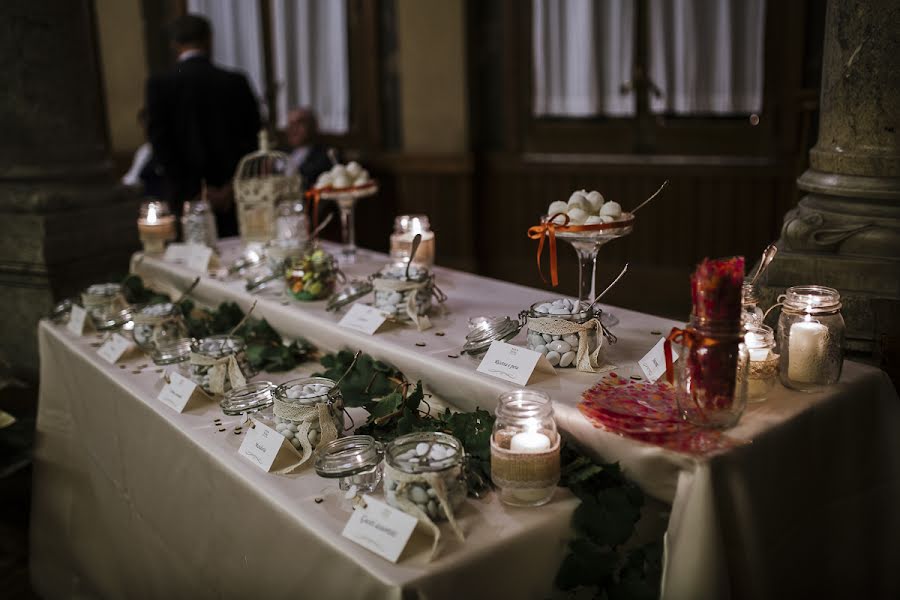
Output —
<point x="201" y="121"/>
<point x="306" y="157"/>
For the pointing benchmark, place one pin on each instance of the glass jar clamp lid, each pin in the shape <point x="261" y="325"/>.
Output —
<point x="248" y="399"/>
<point x="484" y="331"/>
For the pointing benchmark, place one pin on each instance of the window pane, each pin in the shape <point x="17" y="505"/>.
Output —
<point x="311" y="60"/>
<point x="583" y="52"/>
<point x="236" y="37"/>
<point x="706" y="56"/>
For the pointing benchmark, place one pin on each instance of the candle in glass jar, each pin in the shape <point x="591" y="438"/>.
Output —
<point x="757" y="346"/>
<point x="155" y="226"/>
<point x="529" y="442"/>
<point x="806" y="351"/>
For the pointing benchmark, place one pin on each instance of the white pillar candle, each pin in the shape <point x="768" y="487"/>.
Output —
<point x="757" y="346"/>
<point x="529" y="443"/>
<point x="806" y="351"/>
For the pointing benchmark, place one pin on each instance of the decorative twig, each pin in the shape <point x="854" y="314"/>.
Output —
<point x="190" y="289"/>
<point x="242" y="321"/>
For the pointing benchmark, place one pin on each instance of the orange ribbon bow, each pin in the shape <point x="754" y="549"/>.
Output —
<point x="316" y="195"/>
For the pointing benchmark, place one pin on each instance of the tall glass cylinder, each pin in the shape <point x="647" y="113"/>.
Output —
<point x="525" y="444"/>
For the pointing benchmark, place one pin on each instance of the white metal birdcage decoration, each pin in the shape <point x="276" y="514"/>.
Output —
<point x="261" y="181"/>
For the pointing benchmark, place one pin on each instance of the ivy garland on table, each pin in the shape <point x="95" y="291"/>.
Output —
<point x="266" y="350"/>
<point x="600" y="560"/>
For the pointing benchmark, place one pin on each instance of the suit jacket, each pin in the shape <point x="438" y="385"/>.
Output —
<point x="315" y="163"/>
<point x="201" y="120"/>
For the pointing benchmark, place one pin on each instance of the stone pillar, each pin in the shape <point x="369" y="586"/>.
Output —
<point x="63" y="221"/>
<point x="845" y="233"/>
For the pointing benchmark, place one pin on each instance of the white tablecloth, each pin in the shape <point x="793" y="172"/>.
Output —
<point x="808" y="507"/>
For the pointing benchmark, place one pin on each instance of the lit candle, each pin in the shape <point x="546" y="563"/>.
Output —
<point x="756" y="344"/>
<point x="806" y="351"/>
<point x="529" y="442"/>
<point x="155" y="229"/>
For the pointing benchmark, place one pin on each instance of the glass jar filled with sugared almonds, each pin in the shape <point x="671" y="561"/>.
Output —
<point x="158" y="324"/>
<point x="297" y="413"/>
<point x="413" y="462"/>
<point x="105" y="305"/>
<point x="213" y="352"/>
<point x="561" y="349"/>
<point x="399" y="292"/>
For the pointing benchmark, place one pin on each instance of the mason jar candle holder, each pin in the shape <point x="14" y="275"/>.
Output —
<point x="156" y="226"/>
<point x="810" y="337"/>
<point x="525" y="443"/>
<point x="355" y="461"/>
<point x="158" y="324"/>
<point x="405" y="229"/>
<point x="307" y="414"/>
<point x="414" y="464"/>
<point x="763" y="370"/>
<point x="106" y="306"/>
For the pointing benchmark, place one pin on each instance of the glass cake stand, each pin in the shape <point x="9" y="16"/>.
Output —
<point x="346" y="200"/>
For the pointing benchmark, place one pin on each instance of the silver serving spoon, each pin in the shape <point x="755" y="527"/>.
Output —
<point x="412" y="253"/>
<point x="767" y="256"/>
<point x="609" y="287"/>
<point x="321" y="226"/>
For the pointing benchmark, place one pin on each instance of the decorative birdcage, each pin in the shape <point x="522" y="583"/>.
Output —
<point x="261" y="181"/>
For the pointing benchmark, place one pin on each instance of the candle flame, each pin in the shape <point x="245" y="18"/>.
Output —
<point x="151" y="214"/>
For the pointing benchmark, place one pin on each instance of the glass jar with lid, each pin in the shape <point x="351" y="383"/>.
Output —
<point x="106" y="305"/>
<point x="405" y="229"/>
<point x="763" y="370"/>
<point x="174" y="354"/>
<point x="525" y="443"/>
<point x="555" y="328"/>
<point x="405" y="295"/>
<point x="219" y="362"/>
<point x="312" y="275"/>
<point x="356" y="461"/>
<point x="198" y="223"/>
<point x="158" y="324"/>
<point x="712" y="373"/>
<point x="307" y="413"/>
<point x="248" y="399"/>
<point x="424" y="475"/>
<point x="810" y="337"/>
<point x="751" y="314"/>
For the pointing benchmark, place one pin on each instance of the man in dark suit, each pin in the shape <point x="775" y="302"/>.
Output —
<point x="306" y="156"/>
<point x="201" y="120"/>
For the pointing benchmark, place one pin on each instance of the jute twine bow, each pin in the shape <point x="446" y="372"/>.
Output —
<point x="584" y="360"/>
<point x="436" y="481"/>
<point x="306" y="415"/>
<point x="218" y="369"/>
<point x="396" y="285"/>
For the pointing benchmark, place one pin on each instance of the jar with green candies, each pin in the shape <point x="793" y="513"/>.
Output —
<point x="312" y="275"/>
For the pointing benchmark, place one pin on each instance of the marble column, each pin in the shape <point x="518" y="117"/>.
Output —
<point x="63" y="221"/>
<point x="845" y="232"/>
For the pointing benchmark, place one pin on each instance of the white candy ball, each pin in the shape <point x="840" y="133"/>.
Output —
<point x="361" y="178"/>
<point x="338" y="170"/>
<point x="594" y="220"/>
<point x="557" y="207"/>
<point x="341" y="181"/>
<point x="324" y="180"/>
<point x="353" y="168"/>
<point x="559" y="219"/>
<point x="595" y="199"/>
<point x="611" y="209"/>
<point x="577" y="215"/>
<point x="577" y="199"/>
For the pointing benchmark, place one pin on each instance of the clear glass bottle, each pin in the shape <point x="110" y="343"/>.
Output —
<point x="307" y="392"/>
<point x="405" y="229"/>
<point x="356" y="461"/>
<point x="751" y="313"/>
<point x="712" y="374"/>
<point x="411" y="460"/>
<point x="218" y="347"/>
<point x="198" y="223"/>
<point x="156" y="226"/>
<point x="763" y="370"/>
<point x="810" y="337"/>
<point x="560" y="349"/>
<point x="158" y="324"/>
<point x="525" y="448"/>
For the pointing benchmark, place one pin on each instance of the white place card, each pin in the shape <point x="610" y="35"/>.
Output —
<point x="114" y="348"/>
<point x="654" y="362"/>
<point x="363" y="318"/>
<point x="77" y="320"/>
<point x="513" y="363"/>
<point x="195" y="257"/>
<point x="261" y="445"/>
<point x="380" y="528"/>
<point x="179" y="392"/>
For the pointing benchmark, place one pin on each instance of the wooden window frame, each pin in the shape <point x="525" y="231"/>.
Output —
<point x="773" y="136"/>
